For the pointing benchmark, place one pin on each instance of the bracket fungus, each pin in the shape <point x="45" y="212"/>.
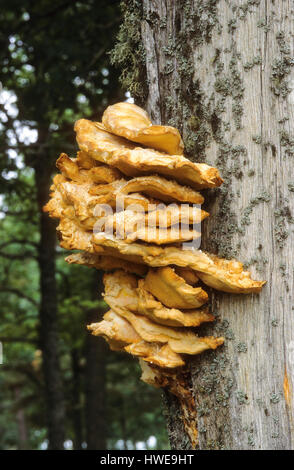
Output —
<point x="132" y="122"/>
<point x="132" y="160"/>
<point x="151" y="279"/>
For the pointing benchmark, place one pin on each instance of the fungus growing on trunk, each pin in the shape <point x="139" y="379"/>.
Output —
<point x="132" y="122"/>
<point x="152" y="290"/>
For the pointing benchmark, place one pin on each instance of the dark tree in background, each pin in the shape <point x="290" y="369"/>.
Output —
<point x="54" y="59"/>
<point x="95" y="377"/>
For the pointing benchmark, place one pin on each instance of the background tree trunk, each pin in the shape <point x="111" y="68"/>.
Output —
<point x="95" y="377"/>
<point x="48" y="310"/>
<point x="223" y="73"/>
<point x="76" y="405"/>
<point x="23" y="441"/>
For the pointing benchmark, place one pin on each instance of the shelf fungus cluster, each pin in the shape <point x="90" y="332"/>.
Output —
<point x="120" y="202"/>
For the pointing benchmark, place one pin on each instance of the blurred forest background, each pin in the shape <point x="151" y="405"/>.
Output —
<point x="59" y="387"/>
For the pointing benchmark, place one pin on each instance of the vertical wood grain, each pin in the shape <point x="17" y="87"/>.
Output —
<point x="224" y="73"/>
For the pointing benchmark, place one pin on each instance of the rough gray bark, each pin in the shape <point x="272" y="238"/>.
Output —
<point x="223" y="73"/>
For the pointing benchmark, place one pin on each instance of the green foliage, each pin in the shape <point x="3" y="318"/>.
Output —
<point x="126" y="393"/>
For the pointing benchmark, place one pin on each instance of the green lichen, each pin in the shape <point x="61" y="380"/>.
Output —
<point x="151" y="17"/>
<point x="264" y="196"/>
<point x="232" y="85"/>
<point x="281" y="234"/>
<point x="242" y="348"/>
<point x="162" y="23"/>
<point x="250" y="64"/>
<point x="291" y="187"/>
<point x="287" y="142"/>
<point x="241" y="397"/>
<point x="258" y="261"/>
<point x="223" y="325"/>
<point x="223" y="329"/>
<point x="202" y="429"/>
<point x="232" y="25"/>
<point x="199" y="117"/>
<point x="251" y="440"/>
<point x="283" y="217"/>
<point x="260" y="402"/>
<point x="209" y="379"/>
<point x="257" y="139"/>
<point x="220" y="238"/>
<point x="203" y="411"/>
<point x="170" y="48"/>
<point x="263" y="23"/>
<point x="282" y="269"/>
<point x="128" y="53"/>
<point x="213" y="386"/>
<point x="246" y="8"/>
<point x="213" y="444"/>
<point x="283" y="120"/>
<point x="200" y="19"/>
<point x="185" y="109"/>
<point x="168" y="67"/>
<point x="198" y="134"/>
<point x="275" y="398"/>
<point x="229" y="334"/>
<point x="281" y="67"/>
<point x="249" y="429"/>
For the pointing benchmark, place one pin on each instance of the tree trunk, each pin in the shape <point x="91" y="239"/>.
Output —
<point x="223" y="73"/>
<point x="95" y="377"/>
<point x="23" y="440"/>
<point x="48" y="312"/>
<point x="77" y="417"/>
